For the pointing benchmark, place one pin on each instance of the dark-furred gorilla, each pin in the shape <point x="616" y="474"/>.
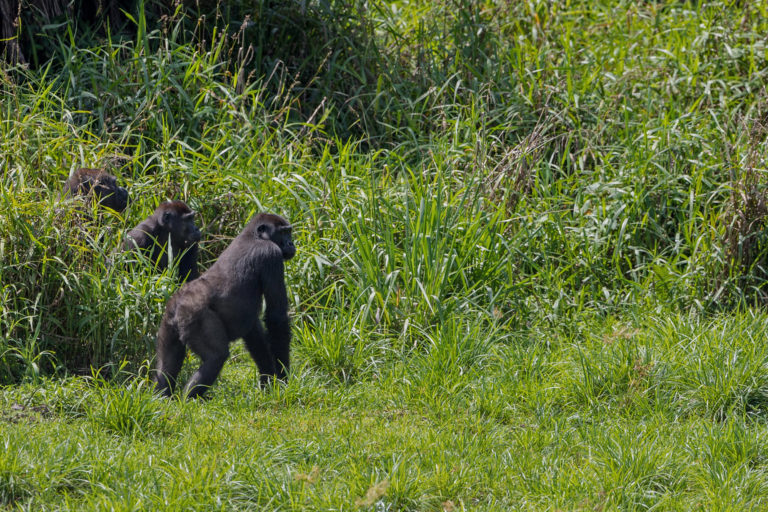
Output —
<point x="170" y="229"/>
<point x="99" y="184"/>
<point x="224" y="304"/>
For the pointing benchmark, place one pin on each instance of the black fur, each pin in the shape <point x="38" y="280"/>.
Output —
<point x="171" y="221"/>
<point x="99" y="184"/>
<point x="224" y="304"/>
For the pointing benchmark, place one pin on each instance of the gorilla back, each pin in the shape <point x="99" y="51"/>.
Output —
<point x="224" y="304"/>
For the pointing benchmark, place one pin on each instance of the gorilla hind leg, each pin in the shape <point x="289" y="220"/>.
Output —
<point x="170" y="358"/>
<point x="212" y="345"/>
<point x="205" y="376"/>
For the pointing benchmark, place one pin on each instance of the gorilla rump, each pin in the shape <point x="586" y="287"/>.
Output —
<point x="225" y="303"/>
<point x="99" y="184"/>
<point x="170" y="229"/>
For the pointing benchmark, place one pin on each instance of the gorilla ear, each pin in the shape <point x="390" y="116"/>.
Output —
<point x="262" y="231"/>
<point x="166" y="218"/>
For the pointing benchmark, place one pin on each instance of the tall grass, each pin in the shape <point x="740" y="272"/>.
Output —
<point x="518" y="178"/>
<point x="535" y="176"/>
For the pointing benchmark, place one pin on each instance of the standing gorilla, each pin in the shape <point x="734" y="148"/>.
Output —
<point x="224" y="304"/>
<point x="170" y="229"/>
<point x="99" y="184"/>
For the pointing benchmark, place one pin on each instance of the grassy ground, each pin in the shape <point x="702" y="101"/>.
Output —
<point x="530" y="273"/>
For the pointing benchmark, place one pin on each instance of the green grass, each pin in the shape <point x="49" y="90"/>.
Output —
<point x="530" y="271"/>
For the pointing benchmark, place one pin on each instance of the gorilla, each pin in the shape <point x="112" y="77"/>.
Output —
<point x="224" y="304"/>
<point x="99" y="184"/>
<point x="170" y="229"/>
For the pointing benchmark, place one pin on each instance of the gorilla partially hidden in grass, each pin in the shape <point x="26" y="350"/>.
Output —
<point x="224" y="304"/>
<point x="98" y="184"/>
<point x="170" y="230"/>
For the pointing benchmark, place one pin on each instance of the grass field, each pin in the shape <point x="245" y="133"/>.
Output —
<point x="531" y="256"/>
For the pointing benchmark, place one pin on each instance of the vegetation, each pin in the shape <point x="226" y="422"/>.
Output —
<point x="531" y="256"/>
